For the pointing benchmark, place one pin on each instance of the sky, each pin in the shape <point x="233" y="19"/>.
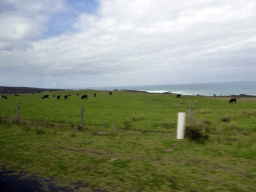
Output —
<point x="99" y="43"/>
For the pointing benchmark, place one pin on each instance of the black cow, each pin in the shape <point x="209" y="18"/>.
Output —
<point x="46" y="96"/>
<point x="5" y="97"/>
<point x="94" y="94"/>
<point x="232" y="100"/>
<point x="16" y="95"/>
<point x="77" y="94"/>
<point x="179" y="95"/>
<point x="2" y="96"/>
<point x="58" y="97"/>
<point x="84" y="96"/>
<point x="65" y="96"/>
<point x="110" y="92"/>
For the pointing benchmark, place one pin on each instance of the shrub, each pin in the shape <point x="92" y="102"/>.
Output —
<point x="40" y="131"/>
<point x="197" y="131"/>
<point x="225" y="119"/>
<point x="127" y="123"/>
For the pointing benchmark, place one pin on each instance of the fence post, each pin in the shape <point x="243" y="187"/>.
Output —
<point x="191" y="115"/>
<point x="82" y="117"/>
<point x="101" y="121"/>
<point x="181" y="125"/>
<point x="18" y="113"/>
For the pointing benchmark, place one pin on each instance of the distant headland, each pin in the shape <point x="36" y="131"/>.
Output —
<point x="20" y="90"/>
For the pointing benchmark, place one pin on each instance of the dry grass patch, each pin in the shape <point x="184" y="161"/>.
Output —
<point x="249" y="113"/>
<point x="205" y="111"/>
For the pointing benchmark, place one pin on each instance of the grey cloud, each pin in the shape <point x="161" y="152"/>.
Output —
<point x="149" y="43"/>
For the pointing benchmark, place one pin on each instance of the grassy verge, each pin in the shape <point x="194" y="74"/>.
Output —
<point x="125" y="160"/>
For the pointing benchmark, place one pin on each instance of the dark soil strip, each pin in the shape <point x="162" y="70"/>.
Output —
<point x="19" y="182"/>
<point x="11" y="181"/>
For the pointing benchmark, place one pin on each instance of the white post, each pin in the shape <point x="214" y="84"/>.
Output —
<point x="181" y="125"/>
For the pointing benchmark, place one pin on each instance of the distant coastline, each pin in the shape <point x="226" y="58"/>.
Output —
<point x="237" y="96"/>
<point x="22" y="90"/>
<point x="226" y="89"/>
<point x="203" y="89"/>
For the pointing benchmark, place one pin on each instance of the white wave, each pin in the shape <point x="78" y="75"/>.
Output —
<point x="161" y="91"/>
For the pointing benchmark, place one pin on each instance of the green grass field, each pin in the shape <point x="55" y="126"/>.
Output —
<point x="139" y="151"/>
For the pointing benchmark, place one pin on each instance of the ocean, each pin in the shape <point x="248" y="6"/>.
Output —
<point x="205" y="89"/>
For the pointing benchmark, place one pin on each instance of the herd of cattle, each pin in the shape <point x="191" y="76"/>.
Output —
<point x="66" y="96"/>
<point x="85" y="97"/>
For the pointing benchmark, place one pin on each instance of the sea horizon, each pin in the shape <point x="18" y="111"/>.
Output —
<point x="204" y="89"/>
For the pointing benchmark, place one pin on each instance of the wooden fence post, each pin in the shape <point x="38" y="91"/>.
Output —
<point x="191" y="115"/>
<point x="18" y="113"/>
<point x="82" y="117"/>
<point x="101" y="121"/>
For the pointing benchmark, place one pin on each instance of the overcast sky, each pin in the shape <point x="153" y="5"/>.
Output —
<point x="98" y="43"/>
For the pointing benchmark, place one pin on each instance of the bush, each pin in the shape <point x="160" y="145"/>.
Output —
<point x="40" y="131"/>
<point x="127" y="123"/>
<point x="225" y="119"/>
<point x="198" y="131"/>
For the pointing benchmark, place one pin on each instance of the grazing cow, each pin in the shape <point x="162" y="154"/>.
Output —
<point x="65" y="96"/>
<point x="58" y="97"/>
<point x="232" y="100"/>
<point x="94" y="94"/>
<point x="84" y="96"/>
<point x="110" y="92"/>
<point x="46" y="96"/>
<point x="179" y="95"/>
<point x="5" y="97"/>
<point x="2" y="96"/>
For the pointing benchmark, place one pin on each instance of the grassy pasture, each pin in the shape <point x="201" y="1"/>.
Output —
<point x="47" y="142"/>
